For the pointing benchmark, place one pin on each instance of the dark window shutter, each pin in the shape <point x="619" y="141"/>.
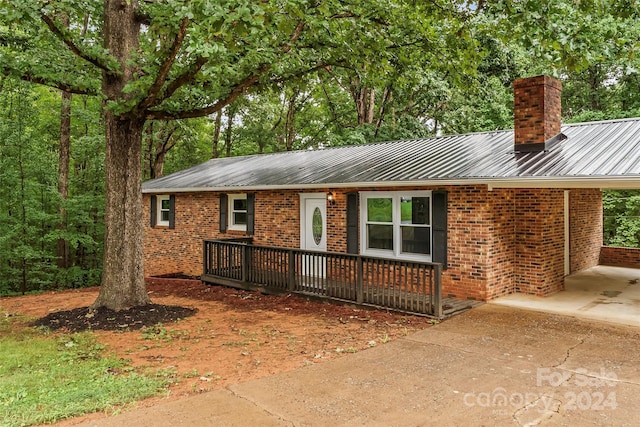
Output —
<point x="352" y="223"/>
<point x="172" y="211"/>
<point x="224" y="205"/>
<point x="439" y="204"/>
<point x="154" y="210"/>
<point x="251" y="213"/>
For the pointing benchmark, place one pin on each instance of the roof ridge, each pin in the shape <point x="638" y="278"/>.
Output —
<point x="597" y="122"/>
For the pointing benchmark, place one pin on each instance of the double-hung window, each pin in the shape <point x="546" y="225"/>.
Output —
<point x="237" y="212"/>
<point x="396" y="224"/>
<point x="163" y="211"/>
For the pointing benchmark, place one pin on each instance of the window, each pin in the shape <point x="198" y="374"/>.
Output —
<point x="164" y="208"/>
<point x="237" y="212"/>
<point x="163" y="211"/>
<point x="396" y="224"/>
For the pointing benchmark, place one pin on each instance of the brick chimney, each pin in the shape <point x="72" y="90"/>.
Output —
<point x="537" y="112"/>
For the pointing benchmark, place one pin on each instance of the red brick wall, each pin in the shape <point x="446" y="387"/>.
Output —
<point x="585" y="219"/>
<point x="620" y="257"/>
<point x="502" y="250"/>
<point x="468" y="243"/>
<point x="337" y="222"/>
<point x="277" y="220"/>
<point x="539" y="223"/>
<point x="198" y="217"/>
<point x="180" y="249"/>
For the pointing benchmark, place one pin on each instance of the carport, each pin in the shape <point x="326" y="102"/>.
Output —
<point x="606" y="293"/>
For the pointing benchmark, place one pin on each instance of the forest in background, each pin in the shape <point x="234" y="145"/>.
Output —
<point x="52" y="144"/>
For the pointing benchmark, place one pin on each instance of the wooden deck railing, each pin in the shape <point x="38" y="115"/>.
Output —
<point x="401" y="285"/>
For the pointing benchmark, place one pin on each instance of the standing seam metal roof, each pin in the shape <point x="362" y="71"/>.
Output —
<point x="607" y="149"/>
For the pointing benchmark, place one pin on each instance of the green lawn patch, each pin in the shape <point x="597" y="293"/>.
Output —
<point x="44" y="378"/>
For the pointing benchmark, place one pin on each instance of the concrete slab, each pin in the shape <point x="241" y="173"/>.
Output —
<point x="493" y="365"/>
<point x="610" y="294"/>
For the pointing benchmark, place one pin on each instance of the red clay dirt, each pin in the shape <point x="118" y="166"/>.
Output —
<point x="234" y="336"/>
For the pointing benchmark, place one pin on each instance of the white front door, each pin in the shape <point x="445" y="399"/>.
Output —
<point x="315" y="224"/>
<point x="313" y="232"/>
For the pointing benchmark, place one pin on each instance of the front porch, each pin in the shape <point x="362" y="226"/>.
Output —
<point x="407" y="286"/>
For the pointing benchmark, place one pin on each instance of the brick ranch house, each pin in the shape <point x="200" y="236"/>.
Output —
<point x="505" y="211"/>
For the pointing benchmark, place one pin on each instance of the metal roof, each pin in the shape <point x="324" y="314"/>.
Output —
<point x="597" y="154"/>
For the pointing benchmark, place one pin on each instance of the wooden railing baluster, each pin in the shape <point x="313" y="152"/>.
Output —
<point x="403" y="285"/>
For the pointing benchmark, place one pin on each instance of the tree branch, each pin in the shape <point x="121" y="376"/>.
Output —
<point x="243" y="85"/>
<point x="161" y="78"/>
<point x="73" y="47"/>
<point x="238" y="89"/>
<point x="179" y="81"/>
<point x="65" y="87"/>
<point x="300" y="73"/>
<point x="294" y="36"/>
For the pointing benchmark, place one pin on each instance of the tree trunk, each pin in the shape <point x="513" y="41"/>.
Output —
<point x="62" y="248"/>
<point x="371" y="106"/>
<point x="365" y="102"/>
<point x="123" y="273"/>
<point x="158" y="164"/>
<point x="289" y="125"/>
<point x="216" y="135"/>
<point x="149" y="173"/>
<point x="228" y="134"/>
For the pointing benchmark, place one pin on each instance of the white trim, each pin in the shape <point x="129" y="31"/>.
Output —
<point x="397" y="238"/>
<point x="159" y="221"/>
<point x="616" y="182"/>
<point x="231" y="225"/>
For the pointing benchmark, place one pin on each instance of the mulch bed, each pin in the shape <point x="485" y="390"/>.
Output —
<point x="81" y="319"/>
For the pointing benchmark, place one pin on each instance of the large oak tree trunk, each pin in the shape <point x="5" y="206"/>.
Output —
<point x="123" y="270"/>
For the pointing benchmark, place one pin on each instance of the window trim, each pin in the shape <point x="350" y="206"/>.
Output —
<point x="395" y="197"/>
<point x="159" y="221"/>
<point x="231" y="225"/>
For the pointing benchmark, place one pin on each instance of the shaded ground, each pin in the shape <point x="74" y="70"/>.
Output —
<point x="232" y="337"/>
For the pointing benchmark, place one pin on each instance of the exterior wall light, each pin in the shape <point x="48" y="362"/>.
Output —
<point x="331" y="198"/>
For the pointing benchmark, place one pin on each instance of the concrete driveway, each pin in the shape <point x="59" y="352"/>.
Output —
<point x="490" y="366"/>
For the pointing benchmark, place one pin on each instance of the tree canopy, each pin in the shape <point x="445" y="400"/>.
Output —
<point x="266" y="76"/>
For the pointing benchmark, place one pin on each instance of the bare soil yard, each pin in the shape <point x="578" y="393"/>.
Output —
<point x="233" y="336"/>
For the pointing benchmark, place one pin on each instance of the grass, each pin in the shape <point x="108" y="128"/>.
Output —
<point x="46" y="378"/>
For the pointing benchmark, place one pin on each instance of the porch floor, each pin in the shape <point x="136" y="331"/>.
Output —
<point x="610" y="294"/>
<point x="452" y="306"/>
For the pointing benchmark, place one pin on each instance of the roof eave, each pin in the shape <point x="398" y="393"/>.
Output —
<point x="604" y="182"/>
